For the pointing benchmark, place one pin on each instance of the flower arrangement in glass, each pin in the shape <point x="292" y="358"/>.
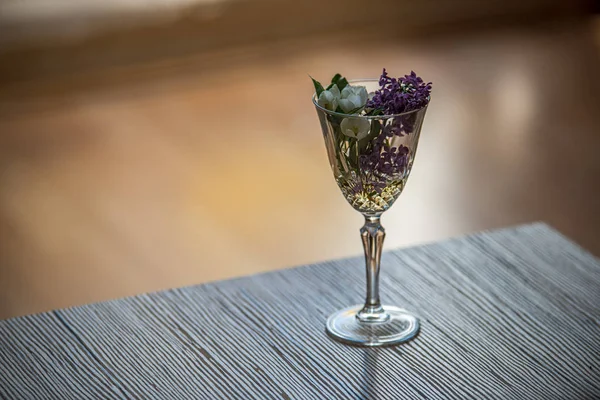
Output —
<point x="371" y="130"/>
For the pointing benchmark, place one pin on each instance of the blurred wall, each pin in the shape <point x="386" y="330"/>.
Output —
<point x="42" y="37"/>
<point x="30" y="22"/>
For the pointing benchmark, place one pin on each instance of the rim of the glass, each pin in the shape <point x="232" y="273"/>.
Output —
<point x="314" y="97"/>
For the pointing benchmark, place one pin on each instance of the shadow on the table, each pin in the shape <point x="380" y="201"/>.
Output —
<point x="369" y="378"/>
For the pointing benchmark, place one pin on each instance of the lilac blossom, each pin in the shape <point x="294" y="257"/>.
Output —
<point x="396" y="96"/>
<point x="382" y="164"/>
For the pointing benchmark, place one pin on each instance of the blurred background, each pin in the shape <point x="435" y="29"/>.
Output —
<point x="148" y="144"/>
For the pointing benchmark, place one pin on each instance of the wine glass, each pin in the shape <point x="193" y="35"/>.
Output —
<point x="371" y="158"/>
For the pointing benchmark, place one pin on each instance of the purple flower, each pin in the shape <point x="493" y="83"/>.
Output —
<point x="382" y="164"/>
<point x="357" y="187"/>
<point x="393" y="161"/>
<point x="396" y="96"/>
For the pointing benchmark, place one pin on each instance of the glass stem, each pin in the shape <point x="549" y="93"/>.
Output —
<point x="372" y="234"/>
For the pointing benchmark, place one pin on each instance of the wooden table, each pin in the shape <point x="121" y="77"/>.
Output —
<point x="508" y="314"/>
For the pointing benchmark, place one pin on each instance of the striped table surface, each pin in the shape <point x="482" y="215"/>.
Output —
<point x="513" y="313"/>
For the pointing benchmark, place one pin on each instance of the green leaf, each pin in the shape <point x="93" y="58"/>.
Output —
<point x="342" y="155"/>
<point x="318" y="87"/>
<point x="338" y="80"/>
<point x="375" y="111"/>
<point x="375" y="130"/>
<point x="353" y="154"/>
<point x="355" y="111"/>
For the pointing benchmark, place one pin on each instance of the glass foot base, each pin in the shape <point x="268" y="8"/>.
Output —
<point x="344" y="327"/>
